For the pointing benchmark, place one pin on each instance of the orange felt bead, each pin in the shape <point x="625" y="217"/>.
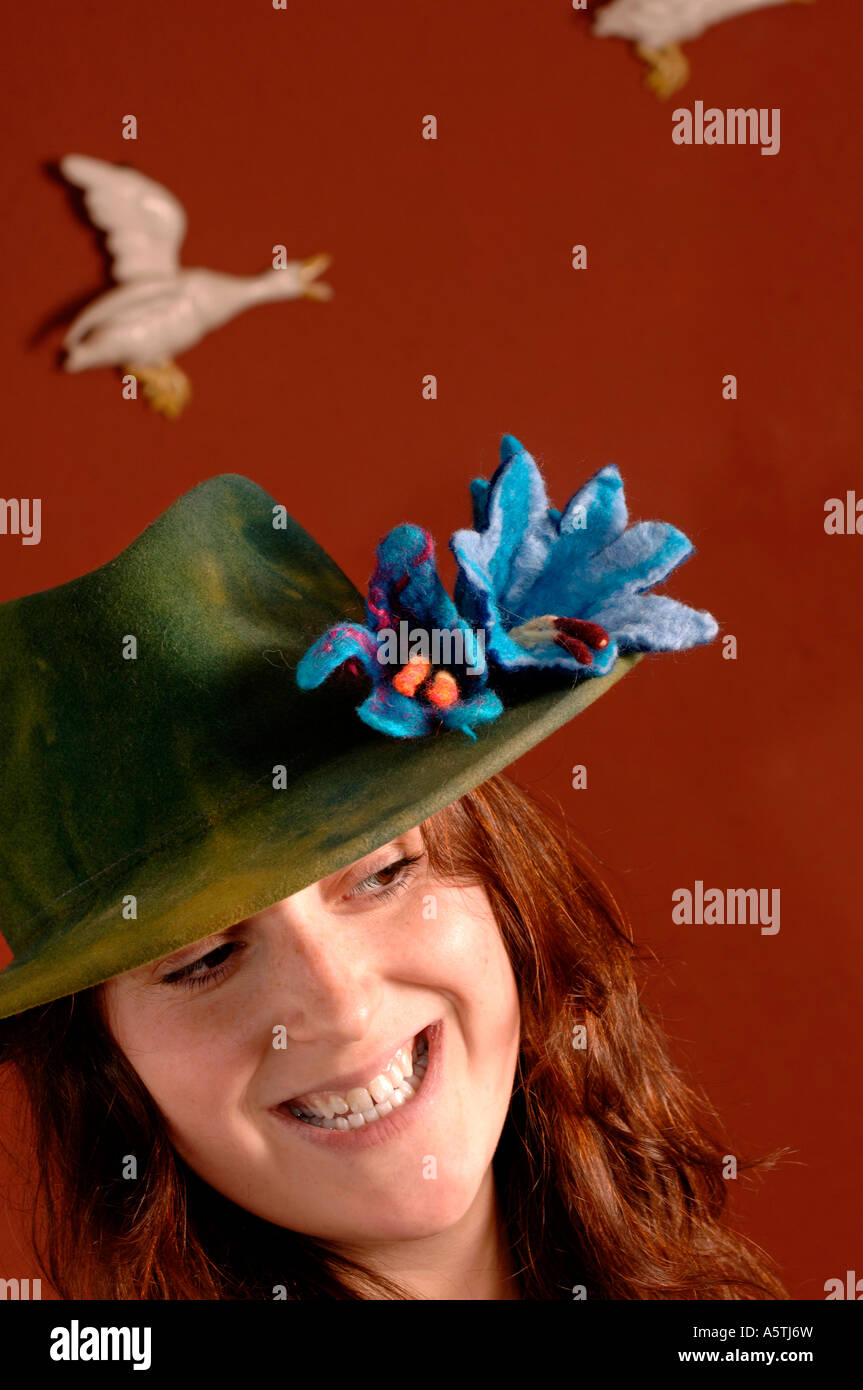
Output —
<point x="408" y="680"/>
<point x="443" y="690"/>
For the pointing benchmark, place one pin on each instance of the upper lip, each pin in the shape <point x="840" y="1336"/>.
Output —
<point x="347" y="1080"/>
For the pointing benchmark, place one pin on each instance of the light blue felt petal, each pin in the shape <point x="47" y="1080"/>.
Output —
<point x="504" y="651"/>
<point x="602" y="499"/>
<point x="654" y="623"/>
<point x="600" y="665"/>
<point x="474" y="588"/>
<point x="476" y="600"/>
<point x="513" y="546"/>
<point x="394" y="714"/>
<point x="643" y="556"/>
<point x="511" y="656"/>
<point x="339" y="644"/>
<point x="602" y="661"/>
<point x="566" y="587"/>
<point x="569" y="582"/>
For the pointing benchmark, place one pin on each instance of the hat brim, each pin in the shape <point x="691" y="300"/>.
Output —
<point x="278" y="842"/>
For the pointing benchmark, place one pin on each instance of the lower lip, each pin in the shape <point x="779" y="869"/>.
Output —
<point x="392" y="1125"/>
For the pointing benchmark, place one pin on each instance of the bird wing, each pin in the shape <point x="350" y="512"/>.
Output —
<point x="136" y="303"/>
<point x="144" y="223"/>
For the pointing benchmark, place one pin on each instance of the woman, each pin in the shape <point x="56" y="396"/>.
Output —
<point x="427" y="1072"/>
<point x="532" y="1167"/>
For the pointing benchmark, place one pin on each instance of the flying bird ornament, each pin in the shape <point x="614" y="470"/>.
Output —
<point x="158" y="308"/>
<point x="659" y="27"/>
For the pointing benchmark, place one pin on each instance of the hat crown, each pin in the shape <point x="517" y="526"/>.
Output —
<point x="145" y="697"/>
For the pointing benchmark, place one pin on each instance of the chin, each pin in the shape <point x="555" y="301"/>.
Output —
<point x="427" y="1214"/>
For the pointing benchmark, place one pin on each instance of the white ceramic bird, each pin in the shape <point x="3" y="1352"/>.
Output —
<point x="159" y="309"/>
<point x="658" y="27"/>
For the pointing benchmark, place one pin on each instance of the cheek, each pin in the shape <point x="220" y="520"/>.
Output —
<point x="196" y="1075"/>
<point x="462" y="934"/>
<point x="462" y="954"/>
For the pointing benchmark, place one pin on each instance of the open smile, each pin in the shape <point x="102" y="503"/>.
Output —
<point x="377" y="1109"/>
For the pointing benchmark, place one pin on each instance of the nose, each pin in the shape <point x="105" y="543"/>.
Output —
<point x="325" y="983"/>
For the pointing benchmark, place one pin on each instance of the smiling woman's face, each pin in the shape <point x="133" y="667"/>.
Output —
<point x="308" y="1006"/>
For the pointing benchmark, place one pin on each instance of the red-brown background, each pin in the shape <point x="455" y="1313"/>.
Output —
<point x="303" y="127"/>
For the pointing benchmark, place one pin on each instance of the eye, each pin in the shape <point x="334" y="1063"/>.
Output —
<point x="386" y="881"/>
<point x="206" y="968"/>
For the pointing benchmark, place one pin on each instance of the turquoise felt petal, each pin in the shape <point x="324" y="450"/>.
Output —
<point x="479" y="503"/>
<point x="405" y="587"/>
<point x="394" y="714"/>
<point x="342" y="643"/>
<point x="468" y="714"/>
<point x="406" y="578"/>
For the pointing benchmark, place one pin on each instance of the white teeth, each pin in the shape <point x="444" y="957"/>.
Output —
<point x="359" y="1100"/>
<point x="381" y="1089"/>
<point x="327" y="1105"/>
<point x="363" y="1105"/>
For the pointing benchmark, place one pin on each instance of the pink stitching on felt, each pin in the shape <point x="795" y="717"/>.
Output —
<point x="427" y="552"/>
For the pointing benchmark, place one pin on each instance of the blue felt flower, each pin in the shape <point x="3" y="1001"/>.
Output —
<point x="568" y="589"/>
<point x="424" y="661"/>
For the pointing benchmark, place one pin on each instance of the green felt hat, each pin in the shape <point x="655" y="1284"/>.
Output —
<point x="145" y="769"/>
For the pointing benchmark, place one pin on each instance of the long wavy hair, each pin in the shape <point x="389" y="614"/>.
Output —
<point x="609" y="1168"/>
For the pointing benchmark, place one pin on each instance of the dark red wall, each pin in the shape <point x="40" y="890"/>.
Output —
<point x="453" y="257"/>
